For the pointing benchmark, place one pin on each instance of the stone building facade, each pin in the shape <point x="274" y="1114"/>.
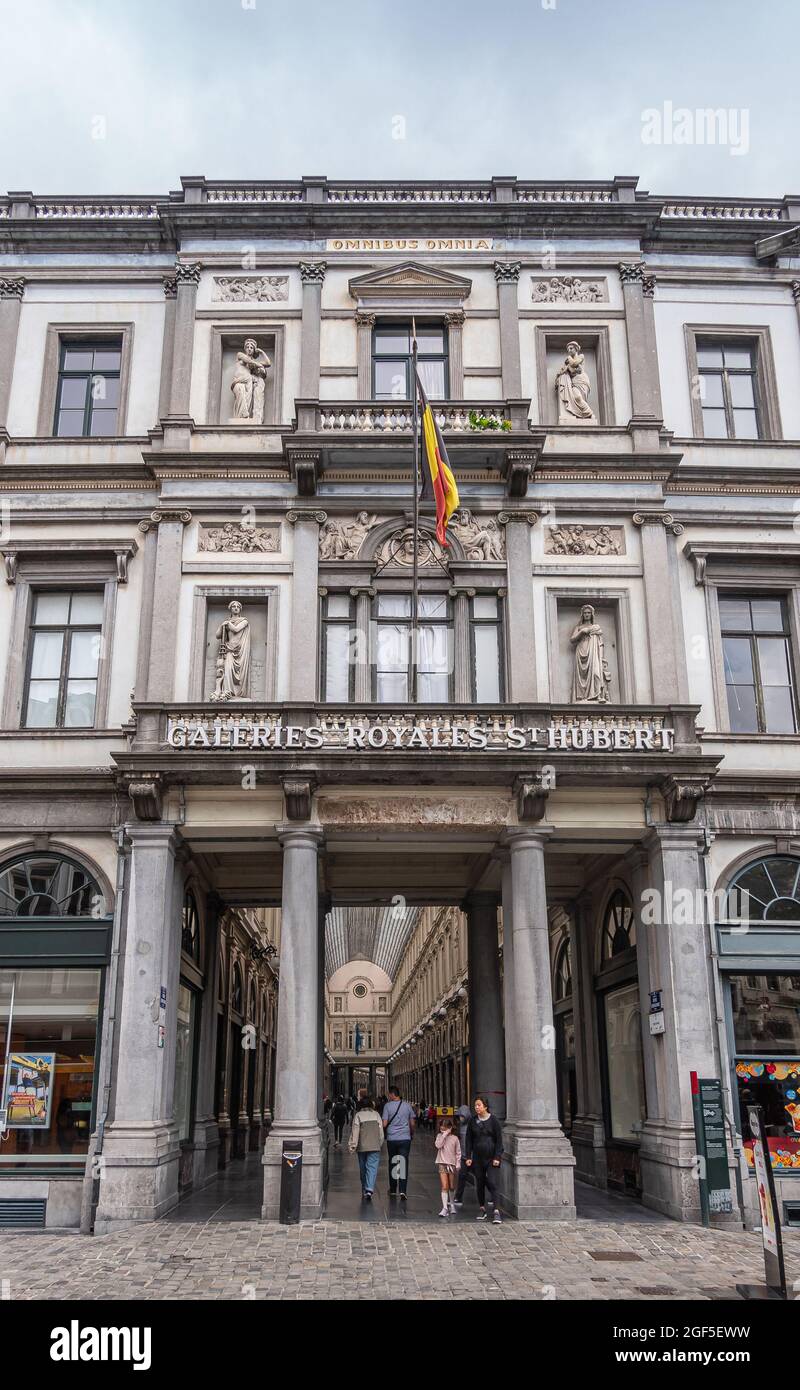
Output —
<point x="205" y="469"/>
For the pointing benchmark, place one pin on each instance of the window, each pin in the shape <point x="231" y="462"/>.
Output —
<point x="728" y="388"/>
<point x="624" y="1068"/>
<point x="190" y="928"/>
<point x="563" y="973"/>
<point x="758" y="665"/>
<point x="486" y="648"/>
<point x="766" y="892"/>
<point x="765" y="1011"/>
<point x="391" y="361"/>
<point x="393" y="674"/>
<point x="184" y="1060"/>
<point x="88" y="392"/>
<point x="46" y="885"/>
<point x="619" y="927"/>
<point x="64" y="655"/>
<point x="337" y="665"/>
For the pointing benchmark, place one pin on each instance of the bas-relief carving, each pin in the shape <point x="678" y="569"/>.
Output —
<point x="584" y="540"/>
<point x="237" y="289"/>
<point x="236" y="536"/>
<point x="567" y="289"/>
<point x="398" y="549"/>
<point x="481" y="537"/>
<point x="233" y="656"/>
<point x="248" y="384"/>
<point x="417" y="810"/>
<point x="341" y="539"/>
<point x="574" y="389"/>
<point x="591" y="680"/>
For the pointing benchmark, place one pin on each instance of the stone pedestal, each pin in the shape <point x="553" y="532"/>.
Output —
<point x="487" y="1049"/>
<point x="537" y="1172"/>
<point x="140" y="1155"/>
<point x="298" y="1024"/>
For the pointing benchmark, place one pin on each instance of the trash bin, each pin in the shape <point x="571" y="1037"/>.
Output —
<point x="291" y="1182"/>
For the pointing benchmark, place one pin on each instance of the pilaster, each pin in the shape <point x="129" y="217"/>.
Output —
<point x="519" y="606"/>
<point x="638" y="288"/>
<point x="507" y="276"/>
<point x="304" y="648"/>
<point x="312" y="274"/>
<point x="12" y="289"/>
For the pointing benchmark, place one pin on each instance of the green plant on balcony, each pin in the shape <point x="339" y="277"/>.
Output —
<point x="478" y="421"/>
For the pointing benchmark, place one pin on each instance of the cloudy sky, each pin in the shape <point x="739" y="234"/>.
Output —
<point x="124" y="96"/>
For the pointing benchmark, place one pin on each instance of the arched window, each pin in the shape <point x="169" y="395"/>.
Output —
<point x="766" y="891"/>
<point x="619" y="926"/>
<point x="237" y="992"/>
<point x="190" y="927"/>
<point x="563" y="975"/>
<point x="49" y="885"/>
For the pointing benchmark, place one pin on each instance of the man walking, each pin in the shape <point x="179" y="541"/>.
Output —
<point x="398" y="1125"/>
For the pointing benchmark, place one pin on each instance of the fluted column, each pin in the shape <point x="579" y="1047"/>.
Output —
<point x="304" y="636"/>
<point x="519" y="606"/>
<point x="487" y="1046"/>
<point x="312" y="274"/>
<point x="506" y="274"/>
<point x="363" y="671"/>
<point x="364" y="326"/>
<point x="638" y="288"/>
<point x="454" y="322"/>
<point x="12" y="289"/>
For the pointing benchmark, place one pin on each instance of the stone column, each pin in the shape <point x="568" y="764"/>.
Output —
<point x="638" y="288"/>
<point x="298" y="1026"/>
<point x="322" y="911"/>
<point x="537" y="1171"/>
<point x="304" y="648"/>
<point x="11" y="292"/>
<point x="454" y="323"/>
<point x="506" y="274"/>
<point x="170" y="285"/>
<point x="312" y="274"/>
<point x="588" y="1128"/>
<point x="508" y="975"/>
<point x="364" y="326"/>
<point x="363" y="672"/>
<point x="178" y="423"/>
<point x="487" y="1043"/>
<point x="140" y="1154"/>
<point x="665" y="644"/>
<point x="677" y="962"/>
<point x="519" y="606"/>
<point x="163" y="616"/>
<point x="205" y="1135"/>
<point x="462" y="675"/>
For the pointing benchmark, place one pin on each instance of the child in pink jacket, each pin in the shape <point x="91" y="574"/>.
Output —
<point x="448" y="1161"/>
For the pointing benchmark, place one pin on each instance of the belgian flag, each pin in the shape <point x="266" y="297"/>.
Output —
<point x="438" y="482"/>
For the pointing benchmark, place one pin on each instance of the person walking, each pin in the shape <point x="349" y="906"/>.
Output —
<point x="448" y="1162"/>
<point x="483" y="1150"/>
<point x="366" y="1141"/>
<point x="398" y="1124"/>
<point x="463" y="1116"/>
<point x="339" y="1119"/>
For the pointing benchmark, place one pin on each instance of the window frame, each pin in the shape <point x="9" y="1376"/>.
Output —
<point x="752" y="635"/>
<point x="49" y="395"/>
<point x="725" y="575"/>
<point x="403" y="591"/>
<point x="388" y="325"/>
<point x="324" y="623"/>
<point x="766" y="393"/>
<point x="63" y="679"/>
<point x="499" y="624"/>
<point x="66" y="344"/>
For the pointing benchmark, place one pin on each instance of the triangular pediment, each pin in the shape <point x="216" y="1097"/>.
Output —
<point x="409" y="280"/>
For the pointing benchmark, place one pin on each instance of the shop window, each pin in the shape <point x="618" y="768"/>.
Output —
<point x="64" y="643"/>
<point x="338" y="648"/>
<point x="757" y="658"/>
<point x="88" y="391"/>
<point x="619" y="926"/>
<point x="767" y="891"/>
<point x="48" y="1043"/>
<point x="392" y="364"/>
<point x="190" y="928"/>
<point x="765" y="1011"/>
<point x="48" y="885"/>
<point x="566" y="1068"/>
<point x="624" y="1067"/>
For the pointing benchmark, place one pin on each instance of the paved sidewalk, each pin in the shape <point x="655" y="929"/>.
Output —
<point x="387" y="1260"/>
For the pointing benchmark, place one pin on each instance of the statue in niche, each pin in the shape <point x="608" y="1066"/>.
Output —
<point x="249" y="383"/>
<point x="591" y="680"/>
<point x="233" y="656"/>
<point x="574" y="389"/>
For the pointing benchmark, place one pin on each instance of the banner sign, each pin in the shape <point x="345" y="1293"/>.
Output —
<point x="711" y="1143"/>
<point x="770" y="1224"/>
<point x="435" y="732"/>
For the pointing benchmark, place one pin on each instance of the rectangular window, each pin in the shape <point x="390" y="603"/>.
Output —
<point x="393" y="673"/>
<point x="64" y="654"/>
<point x="624" y="1063"/>
<point x="727" y="373"/>
<point x="486" y="643"/>
<point x="184" y="1060"/>
<point x="392" y="366"/>
<point x="88" y="391"/>
<point x="758" y="664"/>
<point x="765" y="1010"/>
<point x="338" y="648"/>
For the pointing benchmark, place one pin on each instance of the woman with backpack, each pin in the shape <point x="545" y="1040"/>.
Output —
<point x="483" y="1151"/>
<point x="366" y="1141"/>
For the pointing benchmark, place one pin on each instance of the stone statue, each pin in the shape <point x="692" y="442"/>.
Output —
<point x="339" y="540"/>
<point x="591" y="679"/>
<point x="249" y="382"/>
<point x="233" y="656"/>
<point x="481" y="539"/>
<point x="574" y="388"/>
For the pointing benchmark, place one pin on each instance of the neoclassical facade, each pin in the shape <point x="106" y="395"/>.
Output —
<point x="221" y="747"/>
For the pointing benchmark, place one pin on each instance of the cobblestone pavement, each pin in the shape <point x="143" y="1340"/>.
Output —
<point x="390" y="1260"/>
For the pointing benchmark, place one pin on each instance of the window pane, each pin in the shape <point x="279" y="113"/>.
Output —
<point x="734" y="614"/>
<point x="767" y="614"/>
<point x="709" y="355"/>
<point x="484" y="606"/>
<point x="79" y="708"/>
<point x="745" y="424"/>
<point x="742" y="709"/>
<point x="624" y="1060"/>
<point x="46" y="656"/>
<point x="766" y="1013"/>
<point x="432" y="606"/>
<point x="433" y="688"/>
<point x="741" y="389"/>
<point x="77" y="359"/>
<point x="42" y="707"/>
<point x="103" y="422"/>
<point x="714" y="424"/>
<point x="107" y="359"/>
<point x="392" y="340"/>
<point x="431" y="374"/>
<point x="51" y="608"/>
<point x="338" y="606"/>
<point x="337" y="665"/>
<point x="778" y="710"/>
<point x="394" y="605"/>
<point x="70" y="423"/>
<point x="738" y="357"/>
<point x="86" y="608"/>
<point x="105" y="390"/>
<point x="433" y="654"/>
<point x="773" y="660"/>
<point x="487" y="664"/>
<point x="711" y="389"/>
<point x="392" y="688"/>
<point x="73" y="392"/>
<point x="738" y="660"/>
<point x="184" y="1060"/>
<point x="430" y="339"/>
<point x="84" y="654"/>
<point x="390" y="381"/>
<point x="393" y="648"/>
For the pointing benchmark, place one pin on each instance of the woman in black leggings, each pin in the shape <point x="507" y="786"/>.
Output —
<point x="483" y="1151"/>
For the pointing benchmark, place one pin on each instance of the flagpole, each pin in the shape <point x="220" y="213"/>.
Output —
<point x="415" y="485"/>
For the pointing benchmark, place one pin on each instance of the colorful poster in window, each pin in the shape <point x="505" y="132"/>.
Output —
<point x="774" y="1084"/>
<point x="29" y="1088"/>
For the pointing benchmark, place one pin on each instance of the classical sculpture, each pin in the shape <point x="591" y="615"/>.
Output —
<point x="569" y="289"/>
<point x="583" y="540"/>
<point x="236" y="536"/>
<point x="574" y="388"/>
<point x="340" y="540"/>
<point x="482" y="540"/>
<point x="233" y="656"/>
<point x="233" y="289"/>
<point x="249" y="382"/>
<point x="591" y="678"/>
